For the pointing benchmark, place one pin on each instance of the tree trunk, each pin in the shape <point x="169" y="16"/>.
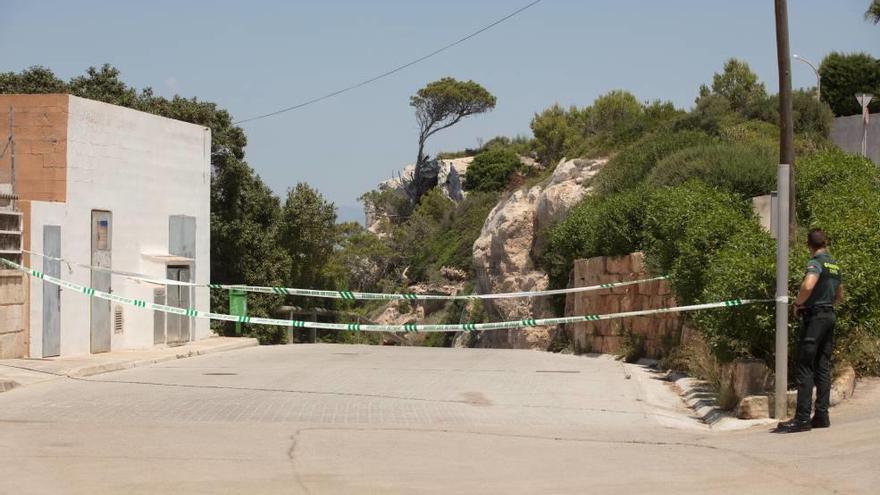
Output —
<point x="418" y="187"/>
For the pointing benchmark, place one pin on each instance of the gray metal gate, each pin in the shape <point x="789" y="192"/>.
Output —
<point x="102" y="241"/>
<point x="51" y="292"/>
<point x="178" y="326"/>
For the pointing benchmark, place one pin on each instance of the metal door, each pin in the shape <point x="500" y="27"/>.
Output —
<point x="102" y="241"/>
<point x="51" y="292"/>
<point x="178" y="326"/>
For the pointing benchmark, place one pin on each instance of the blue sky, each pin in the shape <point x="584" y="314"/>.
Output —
<point x="254" y="57"/>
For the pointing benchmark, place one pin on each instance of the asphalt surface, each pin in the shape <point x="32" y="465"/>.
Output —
<point x="360" y="419"/>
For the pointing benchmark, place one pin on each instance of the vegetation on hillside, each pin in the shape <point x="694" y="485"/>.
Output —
<point x="681" y="194"/>
<point x="677" y="187"/>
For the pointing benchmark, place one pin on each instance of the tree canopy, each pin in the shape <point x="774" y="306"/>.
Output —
<point x="844" y="75"/>
<point x="738" y="85"/>
<point x="873" y="12"/>
<point x="440" y="105"/>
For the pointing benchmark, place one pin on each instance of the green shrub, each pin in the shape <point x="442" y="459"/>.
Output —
<point x="556" y="134"/>
<point x="632" y="346"/>
<point x="683" y="227"/>
<point x="597" y="226"/>
<point x="821" y="170"/>
<point x="613" y="121"/>
<point x="711" y="114"/>
<point x="454" y="246"/>
<point x="745" y="267"/>
<point x="849" y="212"/>
<point x="521" y="145"/>
<point x="630" y="167"/>
<point x="440" y="233"/>
<point x="746" y="169"/>
<point x="751" y="131"/>
<point x="491" y="170"/>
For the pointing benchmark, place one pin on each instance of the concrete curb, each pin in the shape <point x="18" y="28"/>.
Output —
<point x="92" y="370"/>
<point x="23" y="373"/>
<point x="700" y="398"/>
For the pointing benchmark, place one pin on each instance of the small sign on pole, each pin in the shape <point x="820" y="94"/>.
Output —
<point x="865" y="100"/>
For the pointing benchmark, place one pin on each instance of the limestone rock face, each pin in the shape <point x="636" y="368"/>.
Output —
<point x="510" y="242"/>
<point x="450" y="179"/>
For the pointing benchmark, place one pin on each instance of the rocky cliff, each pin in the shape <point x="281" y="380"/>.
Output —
<point x="511" y="241"/>
<point x="450" y="177"/>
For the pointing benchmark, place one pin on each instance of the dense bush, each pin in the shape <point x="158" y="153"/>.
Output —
<point x="556" y="134"/>
<point x="613" y="121"/>
<point x="745" y="267"/>
<point x="609" y="226"/>
<point x="630" y="167"/>
<point x="455" y="246"/>
<point x="710" y="114"/>
<point x="746" y="169"/>
<point x="809" y="115"/>
<point x="841" y="194"/>
<point x="684" y="226"/>
<point x="520" y="145"/>
<point x="491" y="170"/>
<point x="751" y="131"/>
<point x="440" y="233"/>
<point x="819" y="171"/>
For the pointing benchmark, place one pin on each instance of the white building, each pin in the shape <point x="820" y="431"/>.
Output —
<point x="109" y="186"/>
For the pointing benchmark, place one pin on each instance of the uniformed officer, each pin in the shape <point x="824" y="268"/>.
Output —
<point x="820" y="290"/>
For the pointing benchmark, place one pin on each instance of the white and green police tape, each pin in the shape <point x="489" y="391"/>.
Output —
<point x="349" y="295"/>
<point x="410" y="327"/>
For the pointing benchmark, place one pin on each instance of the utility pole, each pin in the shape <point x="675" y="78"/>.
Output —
<point x="787" y="220"/>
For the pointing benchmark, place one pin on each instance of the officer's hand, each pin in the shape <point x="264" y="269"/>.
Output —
<point x="798" y="311"/>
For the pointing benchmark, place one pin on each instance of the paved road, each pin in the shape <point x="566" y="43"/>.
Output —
<point x="357" y="419"/>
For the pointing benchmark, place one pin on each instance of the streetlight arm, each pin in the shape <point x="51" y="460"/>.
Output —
<point x="816" y="71"/>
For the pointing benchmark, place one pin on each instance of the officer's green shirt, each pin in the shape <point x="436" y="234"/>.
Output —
<point x="830" y="278"/>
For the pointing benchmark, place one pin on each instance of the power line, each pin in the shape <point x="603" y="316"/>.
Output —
<point x="392" y="71"/>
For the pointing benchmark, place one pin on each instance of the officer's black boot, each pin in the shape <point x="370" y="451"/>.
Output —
<point x="820" y="420"/>
<point x="794" y="426"/>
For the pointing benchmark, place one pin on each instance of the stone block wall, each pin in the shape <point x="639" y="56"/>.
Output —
<point x="13" y="337"/>
<point x="608" y="336"/>
<point x="40" y="134"/>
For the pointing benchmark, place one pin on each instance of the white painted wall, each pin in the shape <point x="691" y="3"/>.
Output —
<point x="144" y="169"/>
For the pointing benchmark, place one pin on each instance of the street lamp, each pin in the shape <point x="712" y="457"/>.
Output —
<point x="818" y="77"/>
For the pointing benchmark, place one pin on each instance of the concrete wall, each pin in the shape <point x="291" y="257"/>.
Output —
<point x="144" y="169"/>
<point x="606" y="336"/>
<point x="13" y="299"/>
<point x="847" y="133"/>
